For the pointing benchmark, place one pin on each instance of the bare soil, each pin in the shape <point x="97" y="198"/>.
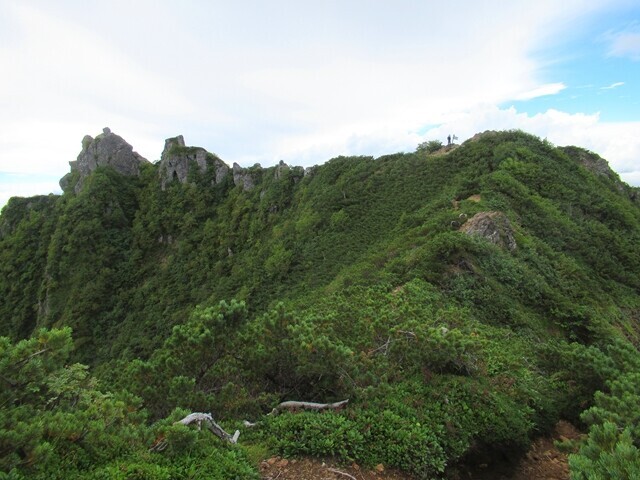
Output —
<point x="277" y="468"/>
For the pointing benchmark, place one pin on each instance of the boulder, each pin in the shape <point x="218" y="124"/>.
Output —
<point x="494" y="226"/>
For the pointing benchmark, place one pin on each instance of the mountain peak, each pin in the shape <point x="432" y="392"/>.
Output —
<point x="106" y="149"/>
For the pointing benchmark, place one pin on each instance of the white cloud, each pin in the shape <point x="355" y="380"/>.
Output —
<point x="541" y="91"/>
<point x="616" y="142"/>
<point x="612" y="86"/>
<point x="624" y="44"/>
<point x="262" y="81"/>
<point x="62" y="81"/>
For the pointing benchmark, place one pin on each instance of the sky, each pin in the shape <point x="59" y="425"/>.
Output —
<point x="303" y="82"/>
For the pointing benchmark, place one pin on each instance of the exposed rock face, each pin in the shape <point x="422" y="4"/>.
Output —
<point x="494" y="226"/>
<point x="296" y="173"/>
<point x="107" y="149"/>
<point x="593" y="162"/>
<point x="177" y="160"/>
<point x="281" y="168"/>
<point x="243" y="177"/>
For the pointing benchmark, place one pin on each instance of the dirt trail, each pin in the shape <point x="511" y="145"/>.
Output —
<point x="543" y="461"/>
<point x="277" y="468"/>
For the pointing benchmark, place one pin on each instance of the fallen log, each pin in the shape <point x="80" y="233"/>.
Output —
<point x="294" y="405"/>
<point x="207" y="419"/>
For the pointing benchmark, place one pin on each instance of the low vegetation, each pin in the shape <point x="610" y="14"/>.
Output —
<point x="125" y="307"/>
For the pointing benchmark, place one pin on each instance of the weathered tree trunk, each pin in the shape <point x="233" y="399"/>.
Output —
<point x="207" y="419"/>
<point x="293" y="405"/>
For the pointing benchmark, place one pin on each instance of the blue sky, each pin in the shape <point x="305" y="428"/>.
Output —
<point x="598" y="66"/>
<point x="305" y="81"/>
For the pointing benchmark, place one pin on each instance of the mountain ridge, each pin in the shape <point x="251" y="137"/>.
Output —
<point x="464" y="301"/>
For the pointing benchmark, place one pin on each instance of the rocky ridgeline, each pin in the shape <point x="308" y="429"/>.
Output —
<point x="177" y="162"/>
<point x="107" y="149"/>
<point x="593" y="162"/>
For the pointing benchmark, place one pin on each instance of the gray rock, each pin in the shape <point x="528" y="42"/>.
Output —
<point x="177" y="160"/>
<point x="591" y="161"/>
<point x="494" y="226"/>
<point x="281" y="168"/>
<point x="594" y="163"/>
<point x="65" y="182"/>
<point x="244" y="177"/>
<point x="107" y="149"/>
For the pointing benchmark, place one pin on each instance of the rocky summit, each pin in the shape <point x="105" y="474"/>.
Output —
<point x="107" y="149"/>
<point x="178" y="160"/>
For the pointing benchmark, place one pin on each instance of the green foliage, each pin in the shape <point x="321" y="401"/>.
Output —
<point x="369" y="439"/>
<point x="52" y="417"/>
<point x="191" y="363"/>
<point x="26" y="227"/>
<point x="611" y="449"/>
<point x="352" y="280"/>
<point x="608" y="453"/>
<point x="429" y="146"/>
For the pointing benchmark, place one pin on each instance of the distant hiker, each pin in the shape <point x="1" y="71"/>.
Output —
<point x="449" y="140"/>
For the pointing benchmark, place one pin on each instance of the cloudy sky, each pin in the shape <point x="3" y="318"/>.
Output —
<point x="304" y="81"/>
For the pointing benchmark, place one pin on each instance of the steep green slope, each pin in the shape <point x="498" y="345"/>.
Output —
<point x="464" y="301"/>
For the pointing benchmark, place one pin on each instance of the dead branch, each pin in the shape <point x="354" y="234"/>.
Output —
<point x="159" y="445"/>
<point x="293" y="405"/>
<point x="384" y="347"/>
<point x="19" y="363"/>
<point x="407" y="333"/>
<point x="342" y="473"/>
<point x="29" y="357"/>
<point x="207" y="419"/>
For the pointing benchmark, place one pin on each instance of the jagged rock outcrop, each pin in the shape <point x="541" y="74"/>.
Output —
<point x="281" y="169"/>
<point x="494" y="226"/>
<point x="591" y="161"/>
<point x="107" y="149"/>
<point x="594" y="163"/>
<point x="177" y="160"/>
<point x="296" y="173"/>
<point x="244" y="177"/>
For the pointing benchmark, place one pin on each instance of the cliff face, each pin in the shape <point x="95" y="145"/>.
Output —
<point x="107" y="149"/>
<point x="178" y="160"/>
